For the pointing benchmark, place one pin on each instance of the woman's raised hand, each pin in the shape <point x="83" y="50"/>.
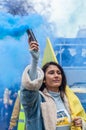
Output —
<point x="34" y="49"/>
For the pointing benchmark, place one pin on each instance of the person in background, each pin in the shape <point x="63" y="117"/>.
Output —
<point x="18" y="116"/>
<point x="48" y="102"/>
<point x="9" y="98"/>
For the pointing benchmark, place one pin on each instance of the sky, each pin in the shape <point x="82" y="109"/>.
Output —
<point x="65" y="16"/>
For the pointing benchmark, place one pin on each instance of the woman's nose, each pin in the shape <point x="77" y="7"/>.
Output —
<point x="56" y="74"/>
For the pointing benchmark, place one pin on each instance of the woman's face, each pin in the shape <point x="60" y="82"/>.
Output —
<point x="53" y="78"/>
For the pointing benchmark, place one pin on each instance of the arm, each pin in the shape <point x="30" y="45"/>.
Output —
<point x="34" y="50"/>
<point x="32" y="76"/>
<point x="31" y="82"/>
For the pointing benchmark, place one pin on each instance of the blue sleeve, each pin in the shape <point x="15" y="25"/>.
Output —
<point x="33" y="70"/>
<point x="31" y="103"/>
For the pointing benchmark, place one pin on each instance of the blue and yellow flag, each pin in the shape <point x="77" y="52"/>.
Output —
<point x="49" y="54"/>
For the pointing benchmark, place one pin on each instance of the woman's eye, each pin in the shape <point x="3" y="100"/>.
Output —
<point x="58" y="72"/>
<point x="51" y="73"/>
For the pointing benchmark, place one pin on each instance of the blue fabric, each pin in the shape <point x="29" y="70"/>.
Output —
<point x="31" y="102"/>
<point x="58" y="100"/>
<point x="33" y="69"/>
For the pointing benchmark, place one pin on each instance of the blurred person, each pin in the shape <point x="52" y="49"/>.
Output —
<point x="9" y="98"/>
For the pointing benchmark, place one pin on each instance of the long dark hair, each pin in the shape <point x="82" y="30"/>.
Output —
<point x="64" y="80"/>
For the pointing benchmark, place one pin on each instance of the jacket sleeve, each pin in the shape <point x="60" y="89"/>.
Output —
<point x="15" y="113"/>
<point x="29" y="95"/>
<point x="34" y="84"/>
<point x="83" y="125"/>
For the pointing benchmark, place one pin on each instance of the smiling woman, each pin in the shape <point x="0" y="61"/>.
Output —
<point x="53" y="76"/>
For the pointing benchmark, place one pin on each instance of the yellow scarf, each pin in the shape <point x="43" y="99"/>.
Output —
<point x="75" y="106"/>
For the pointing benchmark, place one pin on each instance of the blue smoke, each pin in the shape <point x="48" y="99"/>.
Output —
<point x="14" y="54"/>
<point x="16" y="26"/>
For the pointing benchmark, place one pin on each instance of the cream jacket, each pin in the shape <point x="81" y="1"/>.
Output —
<point x="48" y="108"/>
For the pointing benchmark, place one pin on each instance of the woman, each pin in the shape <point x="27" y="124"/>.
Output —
<point x="54" y="106"/>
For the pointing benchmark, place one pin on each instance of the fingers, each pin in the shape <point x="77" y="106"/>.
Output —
<point x="77" y="121"/>
<point x="34" y="45"/>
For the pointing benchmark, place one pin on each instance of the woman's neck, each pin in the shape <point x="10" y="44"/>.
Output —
<point x="53" y="90"/>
